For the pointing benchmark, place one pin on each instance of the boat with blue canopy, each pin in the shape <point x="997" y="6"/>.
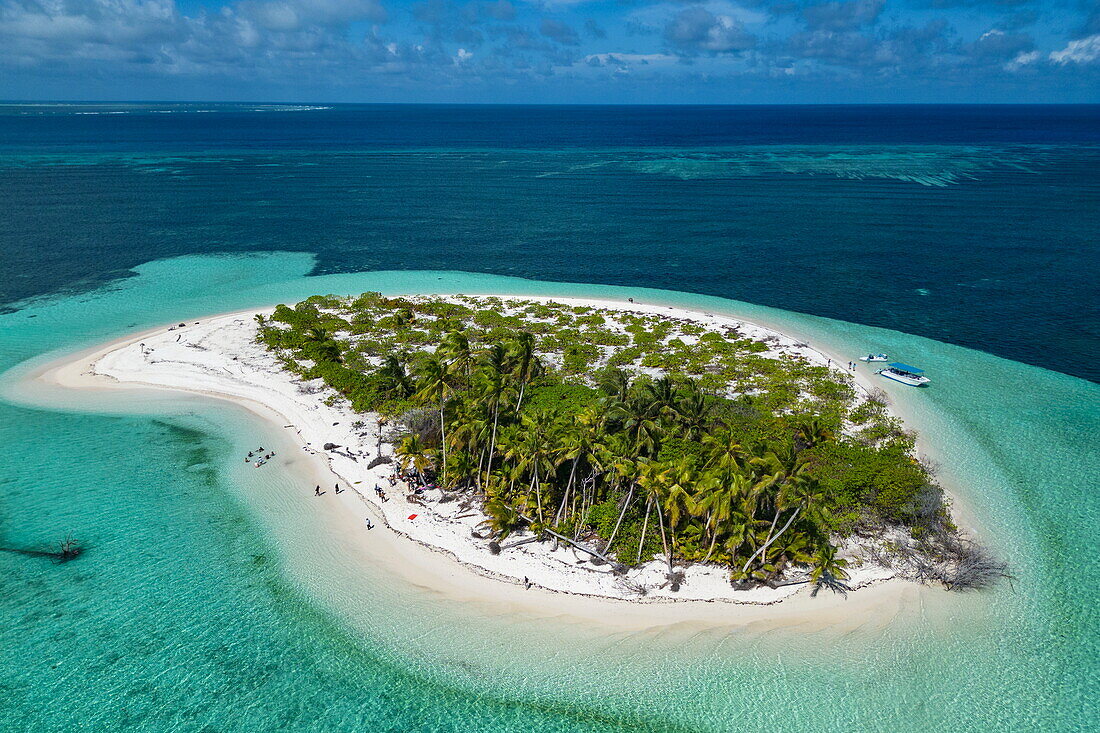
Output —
<point x="905" y="374"/>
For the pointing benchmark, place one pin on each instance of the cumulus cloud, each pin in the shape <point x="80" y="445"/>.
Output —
<point x="1081" y="51"/>
<point x="1023" y="59"/>
<point x="696" y="29"/>
<point x="996" y="45"/>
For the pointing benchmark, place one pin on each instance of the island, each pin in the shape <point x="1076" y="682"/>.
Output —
<point x="614" y="449"/>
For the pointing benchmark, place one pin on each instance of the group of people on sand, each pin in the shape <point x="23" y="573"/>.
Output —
<point x="336" y="487"/>
<point x="410" y="479"/>
<point x="258" y="458"/>
<point x="852" y="366"/>
<point x="381" y="493"/>
<point x="317" y="489"/>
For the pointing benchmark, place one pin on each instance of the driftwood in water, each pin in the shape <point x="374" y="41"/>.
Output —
<point x="67" y="549"/>
<point x="963" y="566"/>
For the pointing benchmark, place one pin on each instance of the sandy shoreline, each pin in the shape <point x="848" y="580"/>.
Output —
<point x="439" y="553"/>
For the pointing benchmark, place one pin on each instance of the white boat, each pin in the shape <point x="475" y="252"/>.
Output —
<point x="905" y="374"/>
<point x="875" y="357"/>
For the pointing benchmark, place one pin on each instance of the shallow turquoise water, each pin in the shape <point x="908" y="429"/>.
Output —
<point x="205" y="602"/>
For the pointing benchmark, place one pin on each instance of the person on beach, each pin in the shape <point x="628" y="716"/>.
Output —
<point x="526" y="583"/>
<point x="370" y="525"/>
<point x="338" y="489"/>
<point x="317" y="491"/>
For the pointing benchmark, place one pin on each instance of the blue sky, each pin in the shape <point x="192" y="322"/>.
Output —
<point x="584" y="51"/>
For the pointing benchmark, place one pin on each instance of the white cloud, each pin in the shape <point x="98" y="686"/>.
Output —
<point x="1022" y="59"/>
<point x="1081" y="51"/>
<point x="628" y="58"/>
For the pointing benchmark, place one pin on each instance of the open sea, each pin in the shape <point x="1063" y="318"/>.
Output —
<point x="963" y="239"/>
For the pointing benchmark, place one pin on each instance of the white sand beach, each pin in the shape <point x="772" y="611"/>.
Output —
<point x="430" y="543"/>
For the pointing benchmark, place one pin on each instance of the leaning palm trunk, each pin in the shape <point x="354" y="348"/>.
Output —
<point x="565" y="497"/>
<point x="645" y="527"/>
<point x="771" y="529"/>
<point x="519" y="402"/>
<point x="493" y="442"/>
<point x="664" y="539"/>
<point x="568" y="490"/>
<point x="538" y="492"/>
<point x="443" y="439"/>
<point x="713" y="540"/>
<point x="766" y="545"/>
<point x="626" y="505"/>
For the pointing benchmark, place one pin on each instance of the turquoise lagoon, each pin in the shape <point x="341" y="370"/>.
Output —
<point x="209" y="600"/>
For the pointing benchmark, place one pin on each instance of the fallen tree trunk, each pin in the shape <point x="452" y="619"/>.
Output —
<point x="578" y="545"/>
<point x="517" y="543"/>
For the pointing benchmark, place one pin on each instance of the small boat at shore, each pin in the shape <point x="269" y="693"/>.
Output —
<point x="905" y="374"/>
<point x="875" y="357"/>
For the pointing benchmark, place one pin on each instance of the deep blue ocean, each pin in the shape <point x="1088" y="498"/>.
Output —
<point x="213" y="597"/>
<point x="977" y="226"/>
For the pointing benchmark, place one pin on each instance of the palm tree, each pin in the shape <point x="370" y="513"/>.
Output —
<point x="592" y="446"/>
<point x="716" y="498"/>
<point x="615" y="383"/>
<point x="493" y="388"/>
<point x="527" y="365"/>
<point x="395" y="379"/>
<point x="829" y="571"/>
<point x="811" y="432"/>
<point x="629" y="471"/>
<point x="456" y="348"/>
<point x="411" y="451"/>
<point x="799" y="493"/>
<point x="640" y="421"/>
<point x="655" y="481"/>
<point x="661" y="395"/>
<point x="682" y="480"/>
<point x="741" y="526"/>
<point x="321" y="345"/>
<point x="535" y="453"/>
<point x="501" y="519"/>
<point x="435" y="386"/>
<point x="461" y="465"/>
<point x="693" y="410"/>
<point x="470" y="434"/>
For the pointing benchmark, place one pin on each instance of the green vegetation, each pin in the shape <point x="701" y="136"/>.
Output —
<point x="637" y="435"/>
